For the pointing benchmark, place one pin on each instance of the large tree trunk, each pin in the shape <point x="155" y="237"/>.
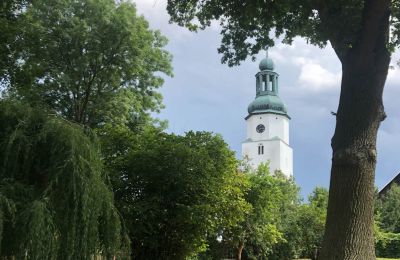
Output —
<point x="349" y="226"/>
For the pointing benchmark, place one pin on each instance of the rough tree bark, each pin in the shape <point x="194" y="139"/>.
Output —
<point x="349" y="226"/>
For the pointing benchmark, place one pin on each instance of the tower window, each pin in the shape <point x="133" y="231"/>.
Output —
<point x="265" y="84"/>
<point x="260" y="149"/>
<point x="269" y="84"/>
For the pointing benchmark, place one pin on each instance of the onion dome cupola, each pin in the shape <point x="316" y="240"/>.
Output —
<point x="267" y="99"/>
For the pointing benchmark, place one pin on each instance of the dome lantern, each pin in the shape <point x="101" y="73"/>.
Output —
<point x="267" y="90"/>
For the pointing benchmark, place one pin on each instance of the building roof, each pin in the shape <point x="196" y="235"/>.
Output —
<point x="268" y="103"/>
<point x="395" y="180"/>
<point x="266" y="64"/>
<point x="267" y="94"/>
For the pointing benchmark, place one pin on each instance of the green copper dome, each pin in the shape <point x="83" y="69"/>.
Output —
<point x="267" y="91"/>
<point x="270" y="103"/>
<point x="266" y="64"/>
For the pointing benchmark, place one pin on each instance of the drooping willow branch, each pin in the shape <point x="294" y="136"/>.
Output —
<point x="54" y="200"/>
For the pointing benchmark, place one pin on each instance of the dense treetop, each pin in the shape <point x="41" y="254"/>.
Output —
<point x="91" y="61"/>
<point x="173" y="191"/>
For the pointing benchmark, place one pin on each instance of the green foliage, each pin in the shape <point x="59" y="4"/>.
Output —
<point x="174" y="190"/>
<point x="248" y="26"/>
<point x="362" y="34"/>
<point x="9" y="12"/>
<point x="92" y="61"/>
<point x="304" y="228"/>
<point x="54" y="200"/>
<point x="272" y="197"/>
<point x="95" y="62"/>
<point x="390" y="210"/>
<point x="319" y="198"/>
<point x="387" y="244"/>
<point x="387" y="223"/>
<point x="395" y="22"/>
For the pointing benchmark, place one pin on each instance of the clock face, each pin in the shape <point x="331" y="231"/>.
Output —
<point x="260" y="128"/>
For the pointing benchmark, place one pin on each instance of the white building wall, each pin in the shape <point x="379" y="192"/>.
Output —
<point x="286" y="159"/>
<point x="275" y="140"/>
<point x="278" y="153"/>
<point x="275" y="126"/>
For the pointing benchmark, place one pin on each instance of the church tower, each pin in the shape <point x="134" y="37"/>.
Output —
<point x="268" y="124"/>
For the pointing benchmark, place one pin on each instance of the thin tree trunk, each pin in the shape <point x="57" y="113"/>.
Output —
<point x="349" y="226"/>
<point x="240" y="250"/>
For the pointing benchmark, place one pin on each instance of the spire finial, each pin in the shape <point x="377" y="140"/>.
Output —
<point x="266" y="63"/>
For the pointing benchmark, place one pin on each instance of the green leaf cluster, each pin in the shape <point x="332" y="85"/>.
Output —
<point x="389" y="210"/>
<point x="74" y="71"/>
<point x="251" y="25"/>
<point x="387" y="223"/>
<point x="272" y="198"/>
<point x="387" y="244"/>
<point x="175" y="190"/>
<point x="9" y="13"/>
<point x="304" y="228"/>
<point x="92" y="61"/>
<point x="55" y="202"/>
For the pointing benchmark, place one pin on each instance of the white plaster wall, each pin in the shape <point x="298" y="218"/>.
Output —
<point x="277" y="152"/>
<point x="286" y="159"/>
<point x="275" y="126"/>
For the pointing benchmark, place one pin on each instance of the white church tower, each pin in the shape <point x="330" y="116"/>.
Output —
<point x="268" y="124"/>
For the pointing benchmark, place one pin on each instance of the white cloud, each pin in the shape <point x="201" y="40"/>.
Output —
<point x="215" y="26"/>
<point x="393" y="79"/>
<point x="277" y="56"/>
<point x="313" y="76"/>
<point x="299" y="47"/>
<point x="394" y="75"/>
<point x="155" y="11"/>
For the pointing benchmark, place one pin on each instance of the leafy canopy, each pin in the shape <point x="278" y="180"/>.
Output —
<point x="55" y="202"/>
<point x="175" y="190"/>
<point x="92" y="61"/>
<point x="251" y="25"/>
<point x="272" y="197"/>
<point x="9" y="12"/>
<point x="389" y="210"/>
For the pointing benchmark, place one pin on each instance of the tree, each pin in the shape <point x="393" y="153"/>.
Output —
<point x="94" y="62"/>
<point x="173" y="191"/>
<point x="55" y="201"/>
<point x="9" y="10"/>
<point x="303" y="228"/>
<point x="387" y="225"/>
<point x="389" y="212"/>
<point x="358" y="31"/>
<point x="310" y="220"/>
<point x="271" y="196"/>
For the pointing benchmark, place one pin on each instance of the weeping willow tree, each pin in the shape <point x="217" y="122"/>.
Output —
<point x="54" y="199"/>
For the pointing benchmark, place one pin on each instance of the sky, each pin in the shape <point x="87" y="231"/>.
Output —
<point x="205" y="95"/>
